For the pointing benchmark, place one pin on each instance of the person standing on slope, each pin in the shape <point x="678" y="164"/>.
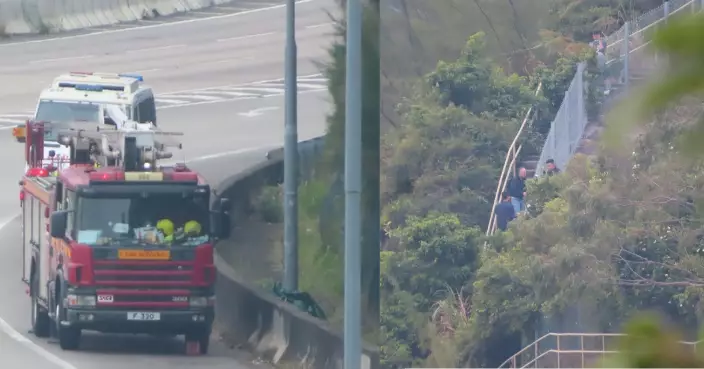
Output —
<point x="517" y="190"/>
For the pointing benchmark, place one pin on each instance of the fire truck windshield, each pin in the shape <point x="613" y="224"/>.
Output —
<point x="135" y="219"/>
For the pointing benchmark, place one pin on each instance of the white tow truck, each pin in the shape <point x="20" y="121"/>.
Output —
<point x="91" y="97"/>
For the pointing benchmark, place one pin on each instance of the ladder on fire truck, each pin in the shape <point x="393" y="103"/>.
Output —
<point x="133" y="147"/>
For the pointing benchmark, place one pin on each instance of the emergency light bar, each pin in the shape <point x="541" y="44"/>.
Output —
<point x="87" y="87"/>
<point x="37" y="172"/>
<point x="138" y="77"/>
<point x="135" y="76"/>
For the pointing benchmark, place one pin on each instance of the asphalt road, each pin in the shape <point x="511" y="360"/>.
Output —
<point x="220" y="139"/>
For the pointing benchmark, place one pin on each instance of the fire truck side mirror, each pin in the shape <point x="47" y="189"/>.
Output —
<point x="58" y="223"/>
<point x="221" y="221"/>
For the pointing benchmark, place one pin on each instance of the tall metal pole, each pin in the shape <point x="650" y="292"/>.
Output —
<point x="353" y="188"/>
<point x="291" y="156"/>
<point x="626" y="55"/>
<point x="666" y="8"/>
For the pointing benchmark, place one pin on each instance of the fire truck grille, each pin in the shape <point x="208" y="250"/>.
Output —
<point x="144" y="278"/>
<point x="144" y="275"/>
<point x="144" y="267"/>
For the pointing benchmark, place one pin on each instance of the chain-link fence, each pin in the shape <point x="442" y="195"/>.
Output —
<point x="626" y="56"/>
<point x="568" y="125"/>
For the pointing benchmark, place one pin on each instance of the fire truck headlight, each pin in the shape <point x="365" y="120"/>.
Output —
<point x="80" y="300"/>
<point x="198" y="301"/>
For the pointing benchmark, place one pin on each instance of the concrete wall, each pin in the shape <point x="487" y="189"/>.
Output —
<point x="45" y="16"/>
<point x="255" y="318"/>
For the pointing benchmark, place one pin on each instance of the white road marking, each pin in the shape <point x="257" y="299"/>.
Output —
<point x="204" y="13"/>
<point x="147" y="70"/>
<point x="155" y="48"/>
<point x="60" y="59"/>
<point x="231" y="93"/>
<point x="303" y="79"/>
<point x="170" y="101"/>
<point x="12" y="121"/>
<point x="19" y="337"/>
<point x="220" y="155"/>
<point x="245" y="37"/>
<point x="231" y="100"/>
<point x="300" y="78"/>
<point x="320" y="25"/>
<point x="263" y="89"/>
<point x="196" y="96"/>
<point x="257" y="112"/>
<point x="238" y="14"/>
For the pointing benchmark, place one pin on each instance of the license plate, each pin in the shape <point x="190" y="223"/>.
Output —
<point x="107" y="299"/>
<point x="143" y="316"/>
<point x="144" y="254"/>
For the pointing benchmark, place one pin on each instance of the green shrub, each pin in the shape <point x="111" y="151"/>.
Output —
<point x="268" y="204"/>
<point x="648" y="343"/>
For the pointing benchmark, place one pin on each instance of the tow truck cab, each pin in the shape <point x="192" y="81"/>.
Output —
<point x="94" y="259"/>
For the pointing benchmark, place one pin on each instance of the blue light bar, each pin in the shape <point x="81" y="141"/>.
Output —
<point x="135" y="76"/>
<point x="96" y="88"/>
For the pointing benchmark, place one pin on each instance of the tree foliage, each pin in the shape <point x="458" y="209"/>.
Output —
<point x="607" y="237"/>
<point x="680" y="42"/>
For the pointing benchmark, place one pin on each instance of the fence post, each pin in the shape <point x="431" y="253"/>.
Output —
<point x="626" y="53"/>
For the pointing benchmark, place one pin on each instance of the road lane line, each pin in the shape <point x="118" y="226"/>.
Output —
<point x="320" y="25"/>
<point x="245" y="37"/>
<point x="245" y="12"/>
<point x="304" y="92"/>
<point x="19" y="337"/>
<point x="155" y="48"/>
<point x="60" y="59"/>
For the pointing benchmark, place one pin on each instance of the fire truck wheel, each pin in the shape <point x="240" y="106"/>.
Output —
<point x="202" y="337"/>
<point x="69" y="337"/>
<point x="41" y="324"/>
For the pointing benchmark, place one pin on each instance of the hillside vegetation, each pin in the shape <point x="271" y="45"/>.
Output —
<point x="609" y="238"/>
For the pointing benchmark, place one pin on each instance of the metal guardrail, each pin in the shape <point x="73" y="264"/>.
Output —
<point x="569" y="350"/>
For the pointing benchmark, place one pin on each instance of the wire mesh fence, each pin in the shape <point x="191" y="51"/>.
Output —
<point x="626" y="54"/>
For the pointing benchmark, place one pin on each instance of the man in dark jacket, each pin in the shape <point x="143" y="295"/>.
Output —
<point x="504" y="212"/>
<point x="551" y="168"/>
<point x="517" y="190"/>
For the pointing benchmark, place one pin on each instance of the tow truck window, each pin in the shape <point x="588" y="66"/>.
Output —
<point x="58" y="111"/>
<point x="132" y="220"/>
<point x="146" y="111"/>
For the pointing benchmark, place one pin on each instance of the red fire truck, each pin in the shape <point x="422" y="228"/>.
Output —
<point x="95" y="256"/>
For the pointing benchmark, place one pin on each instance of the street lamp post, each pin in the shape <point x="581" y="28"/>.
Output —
<point x="290" y="282"/>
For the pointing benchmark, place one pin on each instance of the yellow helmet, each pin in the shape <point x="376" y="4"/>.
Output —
<point x="192" y="228"/>
<point x="165" y="226"/>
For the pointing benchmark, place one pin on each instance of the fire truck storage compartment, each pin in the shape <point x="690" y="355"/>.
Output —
<point x="35" y="240"/>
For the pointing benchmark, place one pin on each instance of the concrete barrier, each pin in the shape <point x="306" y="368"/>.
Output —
<point x="49" y="16"/>
<point x="256" y="319"/>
